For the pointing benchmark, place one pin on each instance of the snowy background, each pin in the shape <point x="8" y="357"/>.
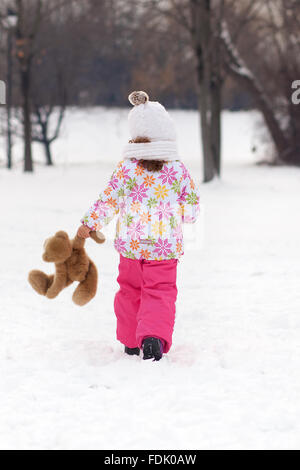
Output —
<point x="231" y="379"/>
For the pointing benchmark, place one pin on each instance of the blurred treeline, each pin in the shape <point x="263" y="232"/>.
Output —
<point x="203" y="54"/>
<point x="103" y="49"/>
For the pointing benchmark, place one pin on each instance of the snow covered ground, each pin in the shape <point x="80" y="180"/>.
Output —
<point x="231" y="380"/>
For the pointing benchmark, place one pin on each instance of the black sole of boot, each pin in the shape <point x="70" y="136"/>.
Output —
<point x="132" y="351"/>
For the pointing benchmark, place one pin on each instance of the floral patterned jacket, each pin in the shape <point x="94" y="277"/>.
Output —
<point x="152" y="207"/>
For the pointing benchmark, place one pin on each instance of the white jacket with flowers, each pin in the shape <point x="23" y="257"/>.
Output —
<point x="152" y="207"/>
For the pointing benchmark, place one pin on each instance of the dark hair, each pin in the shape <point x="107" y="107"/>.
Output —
<point x="150" y="165"/>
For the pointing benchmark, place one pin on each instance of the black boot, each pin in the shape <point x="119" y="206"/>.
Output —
<point x="132" y="351"/>
<point x="152" y="349"/>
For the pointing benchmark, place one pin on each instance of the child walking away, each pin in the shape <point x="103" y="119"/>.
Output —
<point x="154" y="194"/>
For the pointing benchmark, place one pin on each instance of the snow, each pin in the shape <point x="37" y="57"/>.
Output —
<point x="231" y="378"/>
<point x="237" y="64"/>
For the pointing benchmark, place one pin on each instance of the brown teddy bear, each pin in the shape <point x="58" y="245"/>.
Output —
<point x="71" y="264"/>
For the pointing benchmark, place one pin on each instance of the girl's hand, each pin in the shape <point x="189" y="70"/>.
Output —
<point x="83" y="232"/>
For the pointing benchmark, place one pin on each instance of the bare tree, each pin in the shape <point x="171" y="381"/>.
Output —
<point x="41" y="125"/>
<point x="269" y="68"/>
<point x="31" y="14"/>
<point x="202" y="20"/>
<point x="26" y="33"/>
<point x="7" y="24"/>
<point x="202" y="35"/>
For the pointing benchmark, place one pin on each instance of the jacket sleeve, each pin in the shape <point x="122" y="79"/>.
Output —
<point x="189" y="198"/>
<point x="107" y="205"/>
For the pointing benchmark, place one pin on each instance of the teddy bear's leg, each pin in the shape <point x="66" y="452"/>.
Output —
<point x="40" y="281"/>
<point x="86" y="289"/>
<point x="59" y="281"/>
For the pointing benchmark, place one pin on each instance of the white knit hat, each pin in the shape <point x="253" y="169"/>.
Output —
<point x="151" y="120"/>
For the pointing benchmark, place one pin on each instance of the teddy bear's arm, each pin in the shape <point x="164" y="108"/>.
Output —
<point x="59" y="282"/>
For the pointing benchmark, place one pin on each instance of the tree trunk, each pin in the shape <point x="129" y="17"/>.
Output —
<point x="216" y="84"/>
<point x="9" y="99"/>
<point x="208" y="162"/>
<point x="47" y="147"/>
<point x="216" y="109"/>
<point x="202" y="39"/>
<point x="25" y="84"/>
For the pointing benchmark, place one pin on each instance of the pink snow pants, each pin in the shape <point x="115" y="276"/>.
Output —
<point x="145" y="302"/>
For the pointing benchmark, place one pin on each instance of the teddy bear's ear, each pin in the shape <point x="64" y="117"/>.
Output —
<point x="62" y="234"/>
<point x="57" y="248"/>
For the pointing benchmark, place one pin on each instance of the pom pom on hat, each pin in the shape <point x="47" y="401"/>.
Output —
<point x="138" y="97"/>
<point x="149" y="119"/>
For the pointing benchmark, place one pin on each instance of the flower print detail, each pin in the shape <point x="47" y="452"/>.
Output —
<point x="180" y="210"/>
<point x="145" y="254"/>
<point x="125" y="174"/>
<point x="134" y="245"/>
<point x="139" y="170"/>
<point x="163" y="247"/>
<point x="122" y="207"/>
<point x="112" y="202"/>
<point x="138" y="193"/>
<point x="188" y="219"/>
<point x="149" y="181"/>
<point x="158" y="228"/>
<point x="94" y="215"/>
<point x="167" y="175"/>
<point x="121" y="192"/>
<point x="176" y="187"/>
<point x="152" y="202"/>
<point x="182" y="197"/>
<point x="135" y="230"/>
<point x="192" y="198"/>
<point x="185" y="173"/>
<point x="172" y="221"/>
<point x="152" y="207"/>
<point x="101" y="208"/>
<point x="161" y="191"/>
<point x="120" y="245"/>
<point x="135" y="206"/>
<point x="177" y="232"/>
<point x="145" y="217"/>
<point x="131" y="183"/>
<point x="114" y="182"/>
<point x="107" y="191"/>
<point x="164" y="210"/>
<point x="128" y="219"/>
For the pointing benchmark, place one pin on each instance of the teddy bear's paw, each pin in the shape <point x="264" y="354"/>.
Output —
<point x="80" y="299"/>
<point x="86" y="290"/>
<point x="52" y="293"/>
<point x="39" y="281"/>
<point x="81" y="296"/>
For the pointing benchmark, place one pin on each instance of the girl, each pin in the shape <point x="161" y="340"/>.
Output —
<point x="153" y="193"/>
